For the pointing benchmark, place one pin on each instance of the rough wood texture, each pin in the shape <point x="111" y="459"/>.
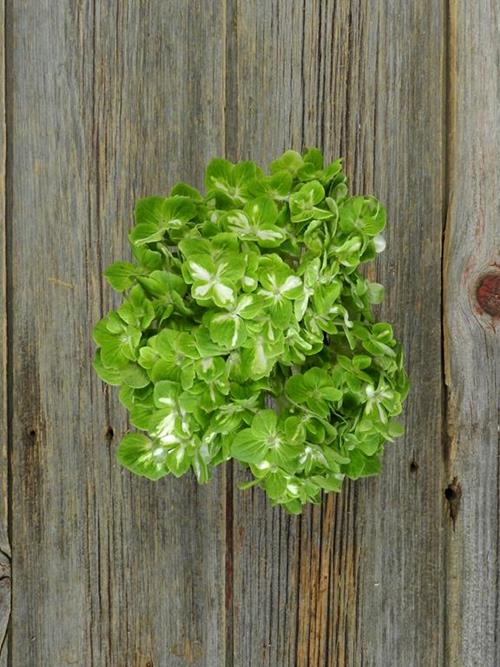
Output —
<point x="359" y="580"/>
<point x="472" y="345"/>
<point x="108" y="101"/>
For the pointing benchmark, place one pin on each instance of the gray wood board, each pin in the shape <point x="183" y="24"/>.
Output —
<point x="472" y="344"/>
<point x="359" y="580"/>
<point x="110" y="101"/>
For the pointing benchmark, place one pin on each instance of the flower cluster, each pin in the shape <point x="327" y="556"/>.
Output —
<point x="247" y="331"/>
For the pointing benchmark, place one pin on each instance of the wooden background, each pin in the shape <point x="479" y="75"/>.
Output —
<point x="109" y="100"/>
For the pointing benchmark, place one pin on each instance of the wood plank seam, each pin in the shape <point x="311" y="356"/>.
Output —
<point x="230" y="113"/>
<point x="5" y="552"/>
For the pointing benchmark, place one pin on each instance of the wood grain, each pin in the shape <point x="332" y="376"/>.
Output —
<point x="5" y="571"/>
<point x="472" y="335"/>
<point x="358" y="581"/>
<point x="110" y="101"/>
<point x="400" y="517"/>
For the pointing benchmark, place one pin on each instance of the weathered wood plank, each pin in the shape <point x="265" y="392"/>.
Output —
<point x="472" y="346"/>
<point x="110" y="101"/>
<point x="159" y="118"/>
<point x="52" y="417"/>
<point x="5" y="585"/>
<point x="264" y="112"/>
<point x="400" y="517"/>
<point x="359" y="580"/>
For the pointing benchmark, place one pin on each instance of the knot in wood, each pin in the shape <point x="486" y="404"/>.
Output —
<point x="488" y="293"/>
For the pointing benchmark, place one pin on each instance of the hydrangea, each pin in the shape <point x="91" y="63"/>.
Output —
<point x="246" y="331"/>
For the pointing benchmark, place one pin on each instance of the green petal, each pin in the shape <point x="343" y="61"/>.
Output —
<point x="112" y="356"/>
<point x="147" y="258"/>
<point x="257" y="361"/>
<point x="227" y="330"/>
<point x="186" y="191"/>
<point x="176" y="211"/>
<point x="375" y="293"/>
<point x="161" y="283"/>
<point x="166" y="393"/>
<point x="244" y="172"/>
<point x="296" y="389"/>
<point x="197" y="246"/>
<point x="290" y="161"/>
<point x="178" y="460"/>
<point x="145" y="233"/>
<point x="275" y="485"/>
<point x="149" y="211"/>
<point x="331" y="393"/>
<point x="265" y="423"/>
<point x="218" y="175"/>
<point x="354" y="469"/>
<point x="134" y="376"/>
<point x="247" y="448"/>
<point x="140" y="455"/>
<point x="121" y="275"/>
<point x="111" y="376"/>
<point x="262" y="211"/>
<point x="314" y="157"/>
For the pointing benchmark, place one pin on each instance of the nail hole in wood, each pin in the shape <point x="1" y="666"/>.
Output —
<point x="110" y="434"/>
<point x="413" y="467"/>
<point x="453" y="494"/>
<point x="450" y="493"/>
<point x="32" y="433"/>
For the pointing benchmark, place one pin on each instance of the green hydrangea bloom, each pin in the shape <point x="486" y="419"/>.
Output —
<point x="247" y="332"/>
